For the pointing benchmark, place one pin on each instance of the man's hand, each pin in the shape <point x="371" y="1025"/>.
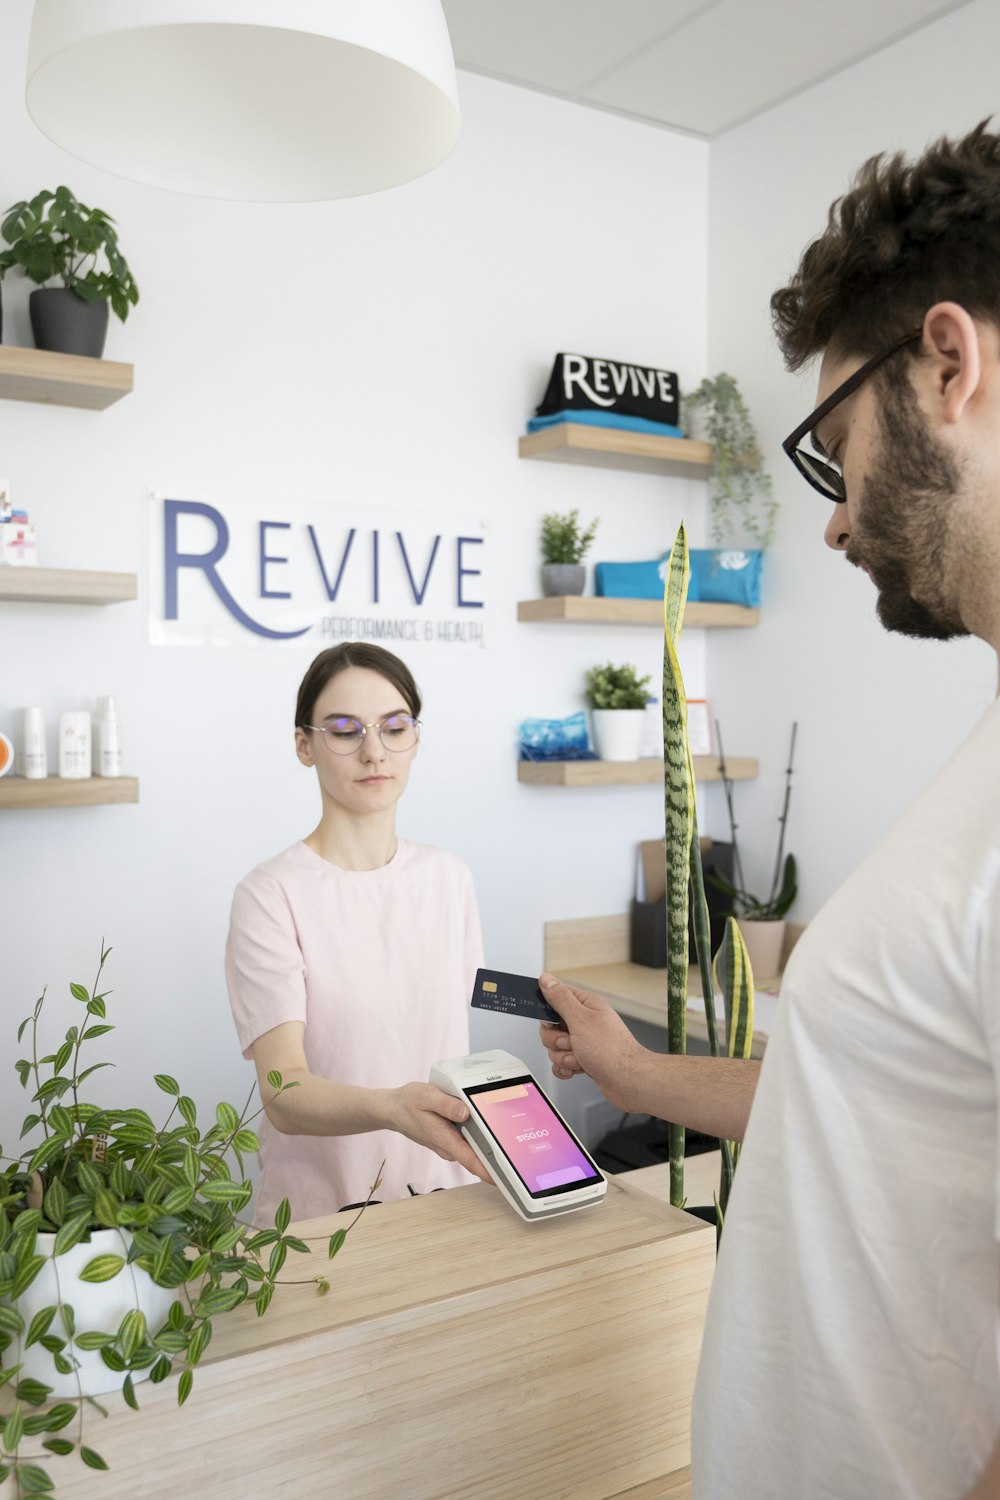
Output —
<point x="596" y="1041"/>
<point x="427" y="1115"/>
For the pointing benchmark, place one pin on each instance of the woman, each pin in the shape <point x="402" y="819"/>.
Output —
<point x="351" y="960"/>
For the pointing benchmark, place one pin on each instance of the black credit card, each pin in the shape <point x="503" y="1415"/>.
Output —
<point x="512" y="995"/>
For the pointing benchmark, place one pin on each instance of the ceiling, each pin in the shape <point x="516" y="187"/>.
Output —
<point x="699" y="66"/>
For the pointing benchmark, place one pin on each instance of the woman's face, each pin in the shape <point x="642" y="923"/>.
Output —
<point x="372" y="778"/>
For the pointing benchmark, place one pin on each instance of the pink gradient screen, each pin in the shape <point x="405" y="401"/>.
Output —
<point x="534" y="1139"/>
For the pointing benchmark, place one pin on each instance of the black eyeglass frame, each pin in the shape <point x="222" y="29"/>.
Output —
<point x="809" y="465"/>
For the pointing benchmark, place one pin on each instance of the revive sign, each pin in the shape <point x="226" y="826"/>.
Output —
<point x="219" y="580"/>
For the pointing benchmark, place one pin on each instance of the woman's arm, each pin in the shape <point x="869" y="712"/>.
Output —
<point x="319" y="1106"/>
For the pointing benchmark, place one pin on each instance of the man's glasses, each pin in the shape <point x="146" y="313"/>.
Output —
<point x="344" y="734"/>
<point x="820" y="473"/>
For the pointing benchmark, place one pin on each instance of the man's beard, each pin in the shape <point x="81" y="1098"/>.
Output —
<point x="900" y="534"/>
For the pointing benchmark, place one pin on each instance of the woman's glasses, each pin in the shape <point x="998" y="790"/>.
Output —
<point x="345" y="734"/>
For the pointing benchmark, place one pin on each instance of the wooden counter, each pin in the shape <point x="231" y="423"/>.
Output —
<point x="460" y="1353"/>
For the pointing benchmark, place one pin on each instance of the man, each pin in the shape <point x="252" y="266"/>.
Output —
<point x="851" y="1345"/>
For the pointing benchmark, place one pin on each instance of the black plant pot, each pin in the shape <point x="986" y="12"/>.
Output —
<point x="62" y="322"/>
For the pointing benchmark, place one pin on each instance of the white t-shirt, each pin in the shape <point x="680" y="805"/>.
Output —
<point x="851" y="1346"/>
<point x="380" y="966"/>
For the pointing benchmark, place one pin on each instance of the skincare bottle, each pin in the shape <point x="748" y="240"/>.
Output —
<point x="32" y="760"/>
<point x="107" y="739"/>
<point x="74" y="744"/>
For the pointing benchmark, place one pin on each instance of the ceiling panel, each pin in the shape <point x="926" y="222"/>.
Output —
<point x="558" y="45"/>
<point x="697" y="65"/>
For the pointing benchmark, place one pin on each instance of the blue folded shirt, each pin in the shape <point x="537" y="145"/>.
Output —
<point x="605" y="419"/>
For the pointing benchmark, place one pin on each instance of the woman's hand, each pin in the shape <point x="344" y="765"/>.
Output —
<point x="426" y="1114"/>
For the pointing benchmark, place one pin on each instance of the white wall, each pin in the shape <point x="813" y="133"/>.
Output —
<point x="877" y="713"/>
<point x="385" y="350"/>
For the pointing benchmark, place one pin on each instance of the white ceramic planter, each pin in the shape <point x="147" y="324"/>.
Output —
<point x="618" y="732"/>
<point x="98" y="1307"/>
<point x="764" y="941"/>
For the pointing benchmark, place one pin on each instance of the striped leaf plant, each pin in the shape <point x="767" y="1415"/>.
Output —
<point x="686" y="891"/>
<point x="170" y="1193"/>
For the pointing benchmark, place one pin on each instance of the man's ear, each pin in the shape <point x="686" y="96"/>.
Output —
<point x="952" y="341"/>
<point x="303" y="747"/>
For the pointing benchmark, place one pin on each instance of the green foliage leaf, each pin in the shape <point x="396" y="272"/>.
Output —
<point x="200" y="1340"/>
<point x="93" y="1031"/>
<point x="106" y="1208"/>
<point x="33" y="1480"/>
<point x="128" y="1391"/>
<point x="14" y="1430"/>
<point x="32" y="1391"/>
<point x="283" y="1217"/>
<point x="171" y="1340"/>
<point x="97" y="1007"/>
<point x="167" y="1084"/>
<point x="102" y="1268"/>
<point x="89" y="1178"/>
<point x="61" y="1446"/>
<point x="184" y="1386"/>
<point x="72" y="1232"/>
<point x="132" y="1332"/>
<point x="225" y="1192"/>
<point x="274" y="1078"/>
<point x="80" y="992"/>
<point x="228" y="1119"/>
<point x="220" y="1299"/>
<point x="262" y="1300"/>
<point x="94" y="1340"/>
<point x="278" y="1255"/>
<point x="39" y="1326"/>
<point x="187" y="1109"/>
<point x="26" y="1273"/>
<point x="91" y="1459"/>
<point x="160" y="1370"/>
<point x="336" y="1241"/>
<point x="10" y="1319"/>
<point x="60" y="1416"/>
<point x="55" y="1202"/>
<point x="246" y="1140"/>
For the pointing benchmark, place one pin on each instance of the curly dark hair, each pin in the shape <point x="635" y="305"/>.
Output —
<point x="906" y="235"/>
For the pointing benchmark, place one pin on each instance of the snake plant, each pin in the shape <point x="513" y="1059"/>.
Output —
<point x="686" y="889"/>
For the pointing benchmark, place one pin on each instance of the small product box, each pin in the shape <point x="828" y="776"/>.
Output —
<point x="18" y="545"/>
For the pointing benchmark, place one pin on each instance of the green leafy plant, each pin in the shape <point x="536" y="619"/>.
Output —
<point x="742" y="500"/>
<point x="616" y="687"/>
<point x="562" y="539"/>
<point x="685" y="884"/>
<point x="170" y="1192"/>
<point x="55" y="237"/>
<point x="784" y="882"/>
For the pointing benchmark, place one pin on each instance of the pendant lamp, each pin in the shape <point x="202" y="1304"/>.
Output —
<point x="256" y="100"/>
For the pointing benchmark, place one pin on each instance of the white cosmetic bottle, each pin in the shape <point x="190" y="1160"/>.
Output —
<point x="107" y="739"/>
<point x="32" y="759"/>
<point x="74" y="744"/>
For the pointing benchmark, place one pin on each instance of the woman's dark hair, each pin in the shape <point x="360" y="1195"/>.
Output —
<point x="336" y="659"/>
<point x="906" y="235"/>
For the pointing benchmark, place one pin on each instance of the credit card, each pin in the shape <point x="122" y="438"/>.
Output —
<point x="512" y="995"/>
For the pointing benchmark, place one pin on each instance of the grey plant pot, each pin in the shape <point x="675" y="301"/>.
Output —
<point x="63" y="323"/>
<point x="563" y="578"/>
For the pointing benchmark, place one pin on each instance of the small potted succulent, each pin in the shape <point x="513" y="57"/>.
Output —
<point x="618" y="698"/>
<point x="564" y="547"/>
<point x="120" y="1243"/>
<point x="54" y="237"/>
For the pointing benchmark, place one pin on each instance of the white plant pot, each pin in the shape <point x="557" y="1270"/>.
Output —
<point x="98" y="1307"/>
<point x="618" y="732"/>
<point x="765" y="942"/>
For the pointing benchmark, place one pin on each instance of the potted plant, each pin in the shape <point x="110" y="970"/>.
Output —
<point x="762" y="918"/>
<point x="686" y="904"/>
<point x="54" y="237"/>
<point x="743" y="508"/>
<point x="564" y="547"/>
<point x="618" y="699"/>
<point x="120" y="1243"/>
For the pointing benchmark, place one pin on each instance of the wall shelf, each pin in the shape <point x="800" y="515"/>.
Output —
<point x="61" y="379"/>
<point x="65" y="586"/>
<point x="579" y="609"/>
<point x="616" y="448"/>
<point x="55" y="791"/>
<point x="625" y="772"/>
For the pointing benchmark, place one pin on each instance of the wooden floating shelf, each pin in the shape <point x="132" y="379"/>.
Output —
<point x="61" y="379"/>
<point x="66" y="586"/>
<point x="579" y="609"/>
<point x="616" y="448"/>
<point x="56" y="791"/>
<point x="625" y="772"/>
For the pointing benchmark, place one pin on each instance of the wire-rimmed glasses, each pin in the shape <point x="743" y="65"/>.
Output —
<point x="343" y="734"/>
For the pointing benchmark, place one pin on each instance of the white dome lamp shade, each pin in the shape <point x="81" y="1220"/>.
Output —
<point x="260" y="101"/>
